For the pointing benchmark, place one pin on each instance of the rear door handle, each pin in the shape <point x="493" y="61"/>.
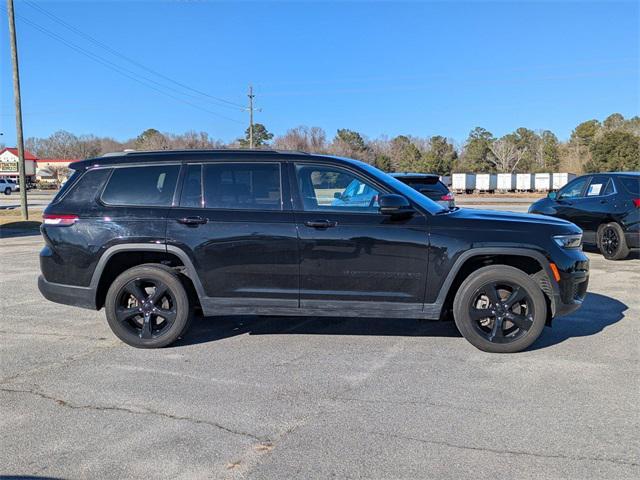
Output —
<point x="194" y="221"/>
<point x="320" y="223"/>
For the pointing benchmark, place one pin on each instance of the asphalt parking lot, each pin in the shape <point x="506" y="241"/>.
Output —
<point x="262" y="397"/>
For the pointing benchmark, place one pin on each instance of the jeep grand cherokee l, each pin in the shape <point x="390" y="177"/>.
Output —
<point x="151" y="235"/>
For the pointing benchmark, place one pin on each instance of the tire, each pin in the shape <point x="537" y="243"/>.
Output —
<point x="612" y="242"/>
<point x="482" y="313"/>
<point x="7" y="191"/>
<point x="148" y="306"/>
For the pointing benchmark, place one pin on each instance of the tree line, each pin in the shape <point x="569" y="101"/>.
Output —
<point x="609" y="145"/>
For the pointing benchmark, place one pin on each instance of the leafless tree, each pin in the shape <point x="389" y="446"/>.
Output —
<point x="506" y="155"/>
<point x="58" y="173"/>
<point x="303" y="138"/>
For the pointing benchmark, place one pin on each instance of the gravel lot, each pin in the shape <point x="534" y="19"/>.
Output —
<point x="258" y="397"/>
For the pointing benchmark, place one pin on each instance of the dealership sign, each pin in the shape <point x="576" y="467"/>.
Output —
<point x="8" y="166"/>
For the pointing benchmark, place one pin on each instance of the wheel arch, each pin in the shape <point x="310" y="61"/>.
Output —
<point x="532" y="262"/>
<point x="118" y="258"/>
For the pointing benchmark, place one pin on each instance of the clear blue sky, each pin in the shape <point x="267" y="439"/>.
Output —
<point x="419" y="68"/>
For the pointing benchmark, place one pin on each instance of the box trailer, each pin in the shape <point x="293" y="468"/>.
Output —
<point x="506" y="182"/>
<point x="463" y="182"/>
<point x="486" y="182"/>
<point x="543" y="182"/>
<point x="446" y="179"/>
<point x="524" y="182"/>
<point x="559" y="180"/>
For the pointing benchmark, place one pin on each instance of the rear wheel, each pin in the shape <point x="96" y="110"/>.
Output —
<point x="500" y="309"/>
<point x="7" y="191"/>
<point x="612" y="242"/>
<point x="148" y="307"/>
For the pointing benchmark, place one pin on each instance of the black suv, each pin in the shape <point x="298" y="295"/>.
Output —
<point x="429" y="185"/>
<point x="605" y="205"/>
<point x="151" y="236"/>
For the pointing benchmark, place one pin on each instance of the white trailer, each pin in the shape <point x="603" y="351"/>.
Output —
<point x="559" y="180"/>
<point x="506" y="182"/>
<point x="524" y="182"/>
<point x="486" y="182"/>
<point x="543" y="182"/>
<point x="446" y="179"/>
<point x="463" y="182"/>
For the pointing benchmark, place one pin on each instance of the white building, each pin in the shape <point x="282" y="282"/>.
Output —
<point x="9" y="164"/>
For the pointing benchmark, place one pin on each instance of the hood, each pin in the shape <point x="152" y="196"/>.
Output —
<point x="518" y="220"/>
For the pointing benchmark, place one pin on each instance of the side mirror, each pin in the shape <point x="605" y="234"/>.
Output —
<point x="395" y="205"/>
<point x="552" y="195"/>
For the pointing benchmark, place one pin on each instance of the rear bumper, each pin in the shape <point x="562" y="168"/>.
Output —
<point x="84" y="297"/>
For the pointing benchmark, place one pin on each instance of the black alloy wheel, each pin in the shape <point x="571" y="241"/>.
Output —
<point x="500" y="309"/>
<point x="612" y="242"/>
<point x="148" y="306"/>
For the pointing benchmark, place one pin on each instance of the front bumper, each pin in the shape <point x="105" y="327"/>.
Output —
<point x="571" y="292"/>
<point x="84" y="297"/>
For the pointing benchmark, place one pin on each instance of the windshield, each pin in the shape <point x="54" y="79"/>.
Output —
<point x="413" y="195"/>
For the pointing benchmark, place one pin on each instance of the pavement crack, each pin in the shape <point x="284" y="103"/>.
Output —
<point x="141" y="411"/>
<point x="508" y="451"/>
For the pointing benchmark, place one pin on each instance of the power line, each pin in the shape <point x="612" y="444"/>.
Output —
<point x="121" y="70"/>
<point x="116" y="53"/>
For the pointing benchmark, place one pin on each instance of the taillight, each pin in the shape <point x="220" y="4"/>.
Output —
<point x="636" y="202"/>
<point x="59" y="220"/>
<point x="448" y="196"/>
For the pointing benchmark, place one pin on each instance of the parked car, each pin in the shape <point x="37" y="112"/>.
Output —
<point x="150" y="236"/>
<point x="430" y="186"/>
<point x="605" y="205"/>
<point x="8" y="186"/>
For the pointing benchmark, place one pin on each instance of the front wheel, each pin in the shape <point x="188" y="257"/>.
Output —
<point x="148" y="307"/>
<point x="612" y="242"/>
<point x="500" y="309"/>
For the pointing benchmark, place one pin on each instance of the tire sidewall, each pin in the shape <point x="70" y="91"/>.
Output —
<point x="498" y="273"/>
<point x="178" y="291"/>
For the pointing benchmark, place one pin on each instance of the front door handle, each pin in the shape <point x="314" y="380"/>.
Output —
<point x="193" y="221"/>
<point x="320" y="223"/>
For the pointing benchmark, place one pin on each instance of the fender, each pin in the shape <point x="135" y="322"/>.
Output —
<point x="434" y="310"/>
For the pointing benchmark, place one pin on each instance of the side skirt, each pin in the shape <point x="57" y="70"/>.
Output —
<point x="212" y="306"/>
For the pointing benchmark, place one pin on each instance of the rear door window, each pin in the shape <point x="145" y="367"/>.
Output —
<point x="245" y="186"/>
<point x="598" y="186"/>
<point x="152" y="186"/>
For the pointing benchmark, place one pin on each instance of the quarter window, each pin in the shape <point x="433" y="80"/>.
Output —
<point x="253" y="186"/>
<point x="334" y="189"/>
<point x="142" y="186"/>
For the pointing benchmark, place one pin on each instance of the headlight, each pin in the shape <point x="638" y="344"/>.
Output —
<point x="569" y="241"/>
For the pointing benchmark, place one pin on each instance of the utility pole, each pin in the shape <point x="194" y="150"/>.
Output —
<point x="251" y="96"/>
<point x="16" y="94"/>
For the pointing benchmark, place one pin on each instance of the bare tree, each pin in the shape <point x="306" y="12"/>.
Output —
<point x="506" y="155"/>
<point x="303" y="138"/>
<point x="59" y="173"/>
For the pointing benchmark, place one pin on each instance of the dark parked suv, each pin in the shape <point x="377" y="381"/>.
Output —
<point x="605" y="205"/>
<point x="151" y="236"/>
<point x="429" y="185"/>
